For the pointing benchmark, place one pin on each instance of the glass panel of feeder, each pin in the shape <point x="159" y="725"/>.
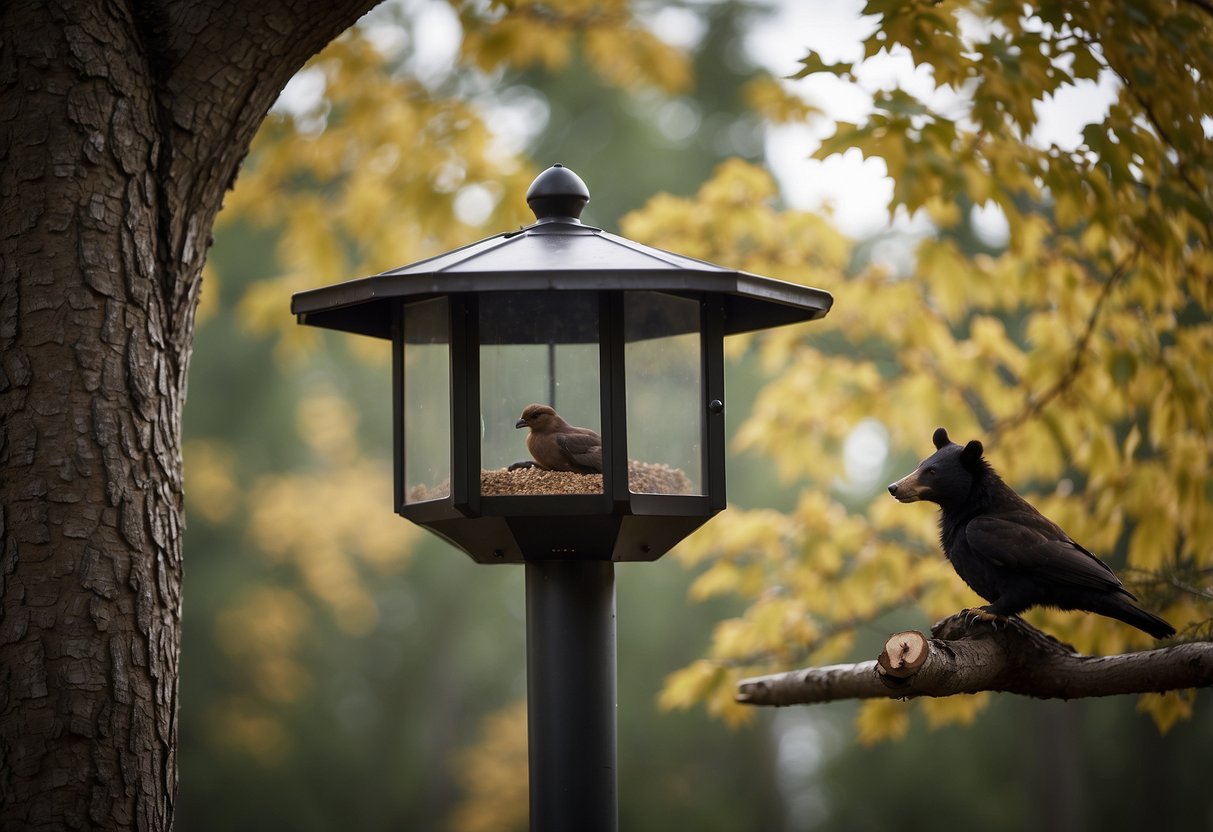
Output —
<point x="540" y="348"/>
<point x="663" y="368"/>
<point x="427" y="401"/>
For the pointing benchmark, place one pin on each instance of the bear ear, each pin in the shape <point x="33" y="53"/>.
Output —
<point x="940" y="438"/>
<point x="971" y="454"/>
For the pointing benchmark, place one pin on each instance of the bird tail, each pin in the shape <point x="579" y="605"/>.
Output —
<point x="1134" y="616"/>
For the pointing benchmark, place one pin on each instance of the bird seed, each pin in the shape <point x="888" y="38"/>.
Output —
<point x="643" y="478"/>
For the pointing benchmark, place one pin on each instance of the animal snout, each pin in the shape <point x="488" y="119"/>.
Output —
<point x="906" y="490"/>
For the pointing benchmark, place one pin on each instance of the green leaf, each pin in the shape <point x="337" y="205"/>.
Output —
<point x="1086" y="65"/>
<point x="900" y="102"/>
<point x="812" y="63"/>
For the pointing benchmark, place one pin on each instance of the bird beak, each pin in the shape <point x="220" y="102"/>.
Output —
<point x="521" y="423"/>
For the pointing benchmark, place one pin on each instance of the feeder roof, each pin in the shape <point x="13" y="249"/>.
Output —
<point x="558" y="253"/>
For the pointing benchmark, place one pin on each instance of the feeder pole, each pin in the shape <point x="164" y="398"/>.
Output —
<point x="571" y="703"/>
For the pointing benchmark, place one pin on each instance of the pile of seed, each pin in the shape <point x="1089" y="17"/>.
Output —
<point x="656" y="478"/>
<point x="503" y="482"/>
<point x="421" y="493"/>
<point x="643" y="478"/>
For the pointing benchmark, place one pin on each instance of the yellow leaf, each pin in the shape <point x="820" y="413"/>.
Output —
<point x="210" y="485"/>
<point x="775" y="102"/>
<point x="721" y="578"/>
<point x="882" y="719"/>
<point x="492" y="774"/>
<point x="688" y="685"/>
<point x="954" y="710"/>
<point x="1167" y="708"/>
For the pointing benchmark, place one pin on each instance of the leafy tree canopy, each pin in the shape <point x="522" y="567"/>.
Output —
<point x="1078" y="351"/>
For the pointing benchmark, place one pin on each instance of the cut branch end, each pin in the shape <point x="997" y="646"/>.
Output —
<point x="903" y="654"/>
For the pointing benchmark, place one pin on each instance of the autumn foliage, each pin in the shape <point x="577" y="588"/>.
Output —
<point x="1077" y="350"/>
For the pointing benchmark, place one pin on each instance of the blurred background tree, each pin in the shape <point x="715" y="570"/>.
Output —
<point x="340" y="668"/>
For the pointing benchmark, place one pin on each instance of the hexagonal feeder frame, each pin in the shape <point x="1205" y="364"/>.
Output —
<point x="471" y="318"/>
<point x="620" y="337"/>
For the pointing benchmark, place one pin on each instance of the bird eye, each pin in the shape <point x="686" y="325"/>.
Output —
<point x="930" y="469"/>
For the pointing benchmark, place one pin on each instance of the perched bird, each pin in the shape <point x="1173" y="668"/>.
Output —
<point x="1007" y="551"/>
<point x="558" y="446"/>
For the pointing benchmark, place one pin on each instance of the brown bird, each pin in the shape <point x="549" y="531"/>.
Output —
<point x="558" y="446"/>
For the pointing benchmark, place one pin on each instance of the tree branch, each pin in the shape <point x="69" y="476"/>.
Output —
<point x="215" y="68"/>
<point x="962" y="657"/>
<point x="1037" y="402"/>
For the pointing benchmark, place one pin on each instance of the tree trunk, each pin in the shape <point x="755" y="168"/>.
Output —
<point x="121" y="126"/>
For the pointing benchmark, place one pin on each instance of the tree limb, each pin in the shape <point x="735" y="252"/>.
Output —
<point x="213" y="69"/>
<point x="963" y="657"/>
<point x="1037" y="402"/>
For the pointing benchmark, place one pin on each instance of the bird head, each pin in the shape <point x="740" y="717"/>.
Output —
<point x="537" y="417"/>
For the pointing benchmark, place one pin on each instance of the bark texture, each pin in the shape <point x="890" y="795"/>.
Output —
<point x="121" y="126"/>
<point x="969" y="657"/>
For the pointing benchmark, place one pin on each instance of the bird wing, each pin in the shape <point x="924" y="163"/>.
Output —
<point x="582" y="449"/>
<point x="1030" y="542"/>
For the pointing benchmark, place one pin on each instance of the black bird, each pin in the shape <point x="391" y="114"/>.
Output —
<point x="1007" y="551"/>
<point x="558" y="446"/>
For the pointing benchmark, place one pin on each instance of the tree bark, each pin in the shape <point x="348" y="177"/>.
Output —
<point x="121" y="127"/>
<point x="965" y="657"/>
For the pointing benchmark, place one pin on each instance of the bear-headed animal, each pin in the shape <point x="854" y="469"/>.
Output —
<point x="1008" y="552"/>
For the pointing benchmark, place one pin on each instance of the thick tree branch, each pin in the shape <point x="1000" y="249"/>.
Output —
<point x="968" y="658"/>
<point x="214" y="68"/>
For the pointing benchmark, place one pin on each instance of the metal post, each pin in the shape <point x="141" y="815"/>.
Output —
<point x="570" y="657"/>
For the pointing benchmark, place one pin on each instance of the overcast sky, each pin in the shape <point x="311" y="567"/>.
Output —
<point x="858" y="190"/>
<point x="854" y="190"/>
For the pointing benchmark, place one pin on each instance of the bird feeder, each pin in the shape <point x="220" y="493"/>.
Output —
<point x="617" y="337"/>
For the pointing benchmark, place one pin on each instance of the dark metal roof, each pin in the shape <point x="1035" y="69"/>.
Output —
<point x="558" y="253"/>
